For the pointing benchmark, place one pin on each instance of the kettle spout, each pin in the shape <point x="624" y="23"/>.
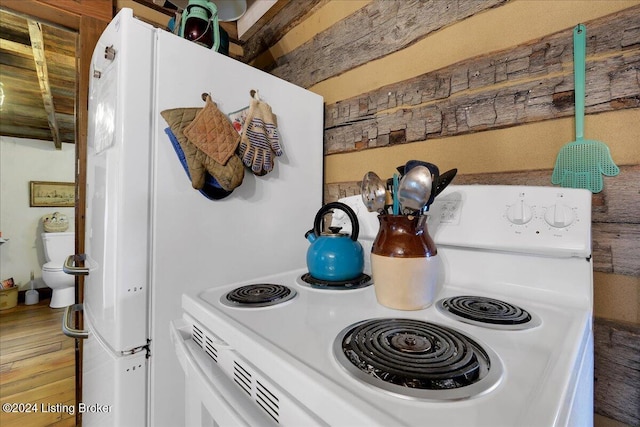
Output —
<point x="310" y="236"/>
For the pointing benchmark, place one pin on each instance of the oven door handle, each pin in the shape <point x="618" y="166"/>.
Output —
<point x="207" y="386"/>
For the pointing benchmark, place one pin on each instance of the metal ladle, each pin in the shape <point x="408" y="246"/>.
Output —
<point x="373" y="192"/>
<point x="414" y="189"/>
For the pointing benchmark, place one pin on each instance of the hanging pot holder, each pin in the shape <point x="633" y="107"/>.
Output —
<point x="212" y="132"/>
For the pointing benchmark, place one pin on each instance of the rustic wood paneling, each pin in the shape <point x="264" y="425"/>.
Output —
<point x="98" y="9"/>
<point x="617" y="371"/>
<point x="528" y="83"/>
<point x="288" y="14"/>
<point x="378" y="29"/>
<point x="615" y="212"/>
<point x="62" y="12"/>
<point x="616" y="248"/>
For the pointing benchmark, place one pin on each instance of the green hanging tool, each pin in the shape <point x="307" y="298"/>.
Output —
<point x="581" y="163"/>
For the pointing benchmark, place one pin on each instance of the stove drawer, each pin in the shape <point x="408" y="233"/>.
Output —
<point x="220" y="381"/>
<point x="210" y="397"/>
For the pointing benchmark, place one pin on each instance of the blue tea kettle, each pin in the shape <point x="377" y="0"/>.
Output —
<point x="334" y="256"/>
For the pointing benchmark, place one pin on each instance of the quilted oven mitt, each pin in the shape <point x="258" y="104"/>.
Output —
<point x="211" y="189"/>
<point x="212" y="132"/>
<point x="260" y="138"/>
<point x="229" y="176"/>
<point x="178" y="119"/>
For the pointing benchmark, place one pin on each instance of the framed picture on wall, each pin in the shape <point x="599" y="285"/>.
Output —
<point x="52" y="194"/>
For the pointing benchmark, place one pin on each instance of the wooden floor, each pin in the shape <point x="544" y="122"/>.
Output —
<point x="37" y="368"/>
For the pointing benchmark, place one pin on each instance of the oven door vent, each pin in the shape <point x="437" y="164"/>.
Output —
<point x="210" y="349"/>
<point x="198" y="336"/>
<point x="257" y="389"/>
<point x="267" y="400"/>
<point x="242" y="377"/>
<point x="205" y="341"/>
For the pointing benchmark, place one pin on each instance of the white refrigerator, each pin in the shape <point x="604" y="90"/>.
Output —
<point x="150" y="236"/>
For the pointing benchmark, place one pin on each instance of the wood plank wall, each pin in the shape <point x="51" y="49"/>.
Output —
<point x="528" y="83"/>
<point x="617" y="370"/>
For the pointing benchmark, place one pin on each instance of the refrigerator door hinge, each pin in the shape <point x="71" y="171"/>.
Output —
<point x="136" y="350"/>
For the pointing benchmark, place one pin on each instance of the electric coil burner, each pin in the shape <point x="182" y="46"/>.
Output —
<point x="487" y="312"/>
<point x="361" y="281"/>
<point x="417" y="359"/>
<point x="258" y="295"/>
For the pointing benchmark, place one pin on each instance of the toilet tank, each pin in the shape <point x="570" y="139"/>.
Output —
<point x="58" y="246"/>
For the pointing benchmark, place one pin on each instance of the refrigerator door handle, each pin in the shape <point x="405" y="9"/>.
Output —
<point x="69" y="330"/>
<point x="70" y="267"/>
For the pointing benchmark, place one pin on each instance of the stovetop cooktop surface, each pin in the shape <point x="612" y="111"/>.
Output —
<point x="536" y="363"/>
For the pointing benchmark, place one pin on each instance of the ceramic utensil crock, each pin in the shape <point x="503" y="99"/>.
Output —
<point x="403" y="263"/>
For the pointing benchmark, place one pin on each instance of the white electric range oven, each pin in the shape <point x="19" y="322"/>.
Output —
<point x="507" y="342"/>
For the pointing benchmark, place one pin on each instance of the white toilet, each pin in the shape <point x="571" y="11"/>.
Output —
<point x="57" y="247"/>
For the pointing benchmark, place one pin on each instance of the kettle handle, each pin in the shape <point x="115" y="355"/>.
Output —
<point x="355" y="226"/>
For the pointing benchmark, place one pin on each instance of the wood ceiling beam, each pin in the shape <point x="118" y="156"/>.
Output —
<point x="19" y="132"/>
<point x="37" y="44"/>
<point x="16" y="48"/>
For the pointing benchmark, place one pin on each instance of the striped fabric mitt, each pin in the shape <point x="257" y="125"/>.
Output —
<point x="260" y="140"/>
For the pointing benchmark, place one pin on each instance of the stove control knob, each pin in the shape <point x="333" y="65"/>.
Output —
<point x="559" y="215"/>
<point x="519" y="213"/>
